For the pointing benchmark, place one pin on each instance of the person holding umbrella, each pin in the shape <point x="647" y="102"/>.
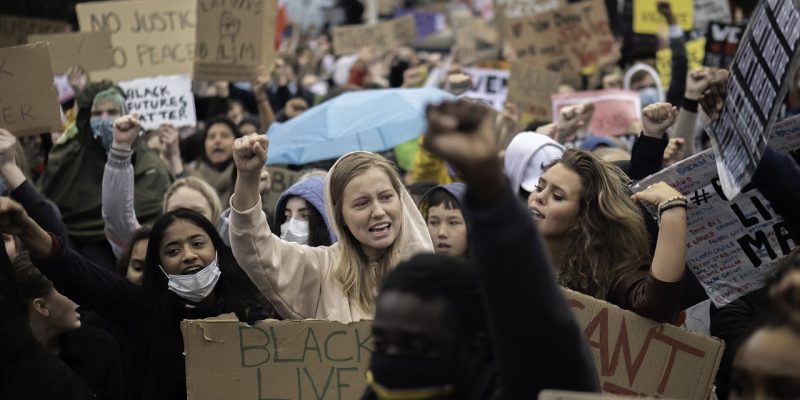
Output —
<point x="372" y="214"/>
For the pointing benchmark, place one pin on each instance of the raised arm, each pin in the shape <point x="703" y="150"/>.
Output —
<point x="520" y="284"/>
<point x="289" y="275"/>
<point x="117" y="194"/>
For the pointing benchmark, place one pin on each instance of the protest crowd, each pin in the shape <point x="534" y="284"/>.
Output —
<point x="386" y="199"/>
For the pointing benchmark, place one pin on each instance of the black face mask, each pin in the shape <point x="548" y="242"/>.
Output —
<point x="411" y="377"/>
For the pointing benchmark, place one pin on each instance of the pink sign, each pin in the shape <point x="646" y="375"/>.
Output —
<point x="616" y="112"/>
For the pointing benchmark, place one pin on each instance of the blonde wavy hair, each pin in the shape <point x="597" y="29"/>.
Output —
<point x="201" y="186"/>
<point x="359" y="279"/>
<point x="610" y="238"/>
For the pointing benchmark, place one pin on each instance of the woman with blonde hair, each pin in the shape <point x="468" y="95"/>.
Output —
<point x="597" y="237"/>
<point x="372" y="214"/>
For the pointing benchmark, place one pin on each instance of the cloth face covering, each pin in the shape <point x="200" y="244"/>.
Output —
<point x="196" y="287"/>
<point x="103" y="130"/>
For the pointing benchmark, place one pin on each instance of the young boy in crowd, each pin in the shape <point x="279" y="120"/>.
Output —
<point x="441" y="208"/>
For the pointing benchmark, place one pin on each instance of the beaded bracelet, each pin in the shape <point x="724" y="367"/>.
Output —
<point x="672" y="202"/>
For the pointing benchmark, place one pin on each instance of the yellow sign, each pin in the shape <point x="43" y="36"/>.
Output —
<point x="695" y="51"/>
<point x="647" y="19"/>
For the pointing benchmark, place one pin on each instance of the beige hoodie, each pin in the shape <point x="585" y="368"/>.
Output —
<point x="297" y="279"/>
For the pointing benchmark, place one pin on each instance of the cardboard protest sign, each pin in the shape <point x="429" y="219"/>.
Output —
<point x="733" y="245"/>
<point x="530" y="89"/>
<point x="695" y="52"/>
<point x="90" y="50"/>
<point x="28" y="100"/>
<point x="761" y="72"/>
<point x="707" y="11"/>
<point x="565" y="395"/>
<point x="226" y="359"/>
<point x="722" y="41"/>
<point x="234" y="38"/>
<point x="282" y="179"/>
<point x="427" y="23"/>
<point x="488" y="85"/>
<point x="524" y="8"/>
<point x="150" y="38"/>
<point x="647" y="20"/>
<point x="639" y="357"/>
<point x="163" y="99"/>
<point x="572" y="37"/>
<point x="383" y="35"/>
<point x="15" y="30"/>
<point x="616" y="112"/>
<point x="327" y="360"/>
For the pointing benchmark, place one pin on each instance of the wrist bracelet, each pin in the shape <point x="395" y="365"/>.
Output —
<point x="672" y="202"/>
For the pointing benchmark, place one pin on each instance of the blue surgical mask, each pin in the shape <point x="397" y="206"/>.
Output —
<point x="649" y="95"/>
<point x="103" y="130"/>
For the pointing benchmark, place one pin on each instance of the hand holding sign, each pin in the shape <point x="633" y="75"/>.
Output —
<point x="657" y="118"/>
<point x="126" y="129"/>
<point x="655" y="194"/>
<point x="713" y="98"/>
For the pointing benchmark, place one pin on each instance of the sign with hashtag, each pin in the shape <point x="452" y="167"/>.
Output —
<point x="764" y="64"/>
<point x="732" y="245"/>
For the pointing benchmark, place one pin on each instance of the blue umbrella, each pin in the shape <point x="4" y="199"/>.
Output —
<point x="372" y="120"/>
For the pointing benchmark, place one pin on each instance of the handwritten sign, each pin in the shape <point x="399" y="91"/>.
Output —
<point x="150" y="38"/>
<point x="733" y="245"/>
<point x="28" y="100"/>
<point x="234" y="38"/>
<point x="383" y="35"/>
<point x="765" y="63"/>
<point x="647" y="19"/>
<point x="282" y="179"/>
<point x="530" y="89"/>
<point x="616" y="112"/>
<point x="91" y="50"/>
<point x="695" y="52"/>
<point x="295" y="360"/>
<point x="427" y="23"/>
<point x="524" y="8"/>
<point x="722" y="41"/>
<point x="564" y="40"/>
<point x="488" y="85"/>
<point x="163" y="99"/>
<point x="708" y="11"/>
<point x="14" y="30"/>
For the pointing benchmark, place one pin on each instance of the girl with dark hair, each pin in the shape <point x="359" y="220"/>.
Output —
<point x="300" y="214"/>
<point x="188" y="273"/>
<point x="131" y="263"/>
<point x="216" y="166"/>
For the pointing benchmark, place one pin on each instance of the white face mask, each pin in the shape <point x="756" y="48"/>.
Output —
<point x="295" y="230"/>
<point x="196" y="287"/>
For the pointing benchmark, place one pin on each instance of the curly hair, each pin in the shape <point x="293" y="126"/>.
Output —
<point x="610" y="236"/>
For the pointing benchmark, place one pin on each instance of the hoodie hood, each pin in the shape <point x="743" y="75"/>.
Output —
<point x="413" y="237"/>
<point x="312" y="190"/>
<point x="525" y="156"/>
<point x="458" y="190"/>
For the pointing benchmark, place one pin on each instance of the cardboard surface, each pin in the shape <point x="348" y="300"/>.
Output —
<point x="275" y="359"/>
<point x="384" y="35"/>
<point x="327" y="360"/>
<point x="733" y="246"/>
<point x="616" y="112"/>
<point x="162" y="99"/>
<point x="150" y="38"/>
<point x="488" y="85"/>
<point x="14" y="31"/>
<point x="695" y="52"/>
<point x="530" y="89"/>
<point x="234" y="38"/>
<point x="647" y="20"/>
<point x="524" y="8"/>
<point x="565" y="395"/>
<point x="281" y="179"/>
<point x="28" y="99"/>
<point x="90" y="50"/>
<point x="565" y="40"/>
<point x="707" y="11"/>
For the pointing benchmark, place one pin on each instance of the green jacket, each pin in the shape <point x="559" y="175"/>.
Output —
<point x="74" y="175"/>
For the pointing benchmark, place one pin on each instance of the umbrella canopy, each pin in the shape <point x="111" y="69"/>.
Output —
<point x="372" y="120"/>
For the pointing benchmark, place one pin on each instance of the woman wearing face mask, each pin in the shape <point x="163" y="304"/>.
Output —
<point x="373" y="217"/>
<point x="597" y="237"/>
<point x="300" y="214"/>
<point x="74" y="171"/>
<point x="188" y="273"/>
